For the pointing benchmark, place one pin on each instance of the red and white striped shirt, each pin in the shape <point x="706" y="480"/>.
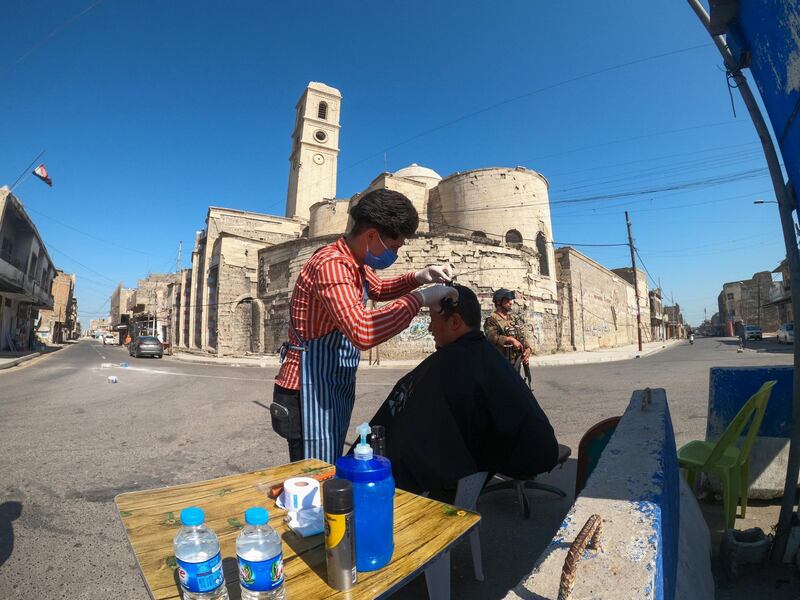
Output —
<point x="329" y="294"/>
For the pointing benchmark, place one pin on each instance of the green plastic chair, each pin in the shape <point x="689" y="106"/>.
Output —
<point x="727" y="460"/>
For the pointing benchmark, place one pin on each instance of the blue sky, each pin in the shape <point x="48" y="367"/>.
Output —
<point x="149" y="112"/>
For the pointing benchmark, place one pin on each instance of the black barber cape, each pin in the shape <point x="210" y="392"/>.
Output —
<point x="462" y="410"/>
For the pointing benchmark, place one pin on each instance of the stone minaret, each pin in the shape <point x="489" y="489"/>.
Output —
<point x="315" y="149"/>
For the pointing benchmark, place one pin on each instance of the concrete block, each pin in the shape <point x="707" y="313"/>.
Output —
<point x="636" y="490"/>
<point x="742" y="550"/>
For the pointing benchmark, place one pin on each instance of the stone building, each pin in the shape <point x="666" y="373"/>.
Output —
<point x="658" y="329"/>
<point x="484" y="266"/>
<point x="597" y="307"/>
<point x="676" y="326"/>
<point x="149" y="306"/>
<point x="780" y="293"/>
<point x="222" y="281"/>
<point x="26" y="274"/>
<point x="492" y="224"/>
<point x="119" y="312"/>
<point x="98" y="326"/>
<point x="750" y="301"/>
<point x="57" y="325"/>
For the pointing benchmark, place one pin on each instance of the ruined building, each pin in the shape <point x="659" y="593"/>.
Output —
<point x="59" y="324"/>
<point x="493" y="225"/>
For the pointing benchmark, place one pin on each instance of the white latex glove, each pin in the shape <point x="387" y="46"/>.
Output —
<point x="434" y="274"/>
<point x="433" y="295"/>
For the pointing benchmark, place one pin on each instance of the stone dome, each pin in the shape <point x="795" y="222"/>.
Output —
<point x="421" y="174"/>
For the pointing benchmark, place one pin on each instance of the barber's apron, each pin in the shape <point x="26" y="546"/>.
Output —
<point x="327" y="392"/>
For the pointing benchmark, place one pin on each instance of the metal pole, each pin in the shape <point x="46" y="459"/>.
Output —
<point x="793" y="258"/>
<point x="635" y="283"/>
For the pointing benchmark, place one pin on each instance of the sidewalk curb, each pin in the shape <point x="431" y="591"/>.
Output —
<point x="585" y="359"/>
<point x="20" y="360"/>
<point x="222" y="361"/>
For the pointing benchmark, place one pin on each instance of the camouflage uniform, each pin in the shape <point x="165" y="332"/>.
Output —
<point x="498" y="328"/>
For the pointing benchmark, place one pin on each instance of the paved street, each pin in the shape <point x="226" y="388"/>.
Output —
<point x="70" y="442"/>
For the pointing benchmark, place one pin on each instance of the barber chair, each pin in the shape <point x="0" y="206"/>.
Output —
<point x="520" y="485"/>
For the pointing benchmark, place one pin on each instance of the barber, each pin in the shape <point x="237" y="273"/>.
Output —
<point x="329" y="323"/>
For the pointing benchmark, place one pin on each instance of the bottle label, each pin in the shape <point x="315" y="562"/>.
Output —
<point x="204" y="576"/>
<point x="261" y="575"/>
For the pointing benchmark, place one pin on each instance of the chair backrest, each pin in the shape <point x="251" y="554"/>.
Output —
<point x="468" y="490"/>
<point x="591" y="446"/>
<point x="755" y="407"/>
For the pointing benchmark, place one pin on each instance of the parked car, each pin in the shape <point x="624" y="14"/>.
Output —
<point x="147" y="345"/>
<point x="753" y="332"/>
<point x="786" y="333"/>
<point x="109" y="339"/>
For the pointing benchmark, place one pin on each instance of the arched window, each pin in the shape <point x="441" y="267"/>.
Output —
<point x="479" y="234"/>
<point x="513" y="237"/>
<point x="322" y="113"/>
<point x="541" y="247"/>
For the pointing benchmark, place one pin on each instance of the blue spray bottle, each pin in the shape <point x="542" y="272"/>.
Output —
<point x="373" y="500"/>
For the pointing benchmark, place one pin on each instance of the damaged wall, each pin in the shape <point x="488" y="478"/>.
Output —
<point x="484" y="267"/>
<point x="598" y="307"/>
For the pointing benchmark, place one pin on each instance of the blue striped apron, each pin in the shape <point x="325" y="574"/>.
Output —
<point x="327" y="392"/>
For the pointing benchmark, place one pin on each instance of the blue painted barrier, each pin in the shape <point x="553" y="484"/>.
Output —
<point x="637" y="490"/>
<point x="729" y="390"/>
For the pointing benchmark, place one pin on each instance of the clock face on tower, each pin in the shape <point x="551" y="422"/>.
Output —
<point x="319" y="159"/>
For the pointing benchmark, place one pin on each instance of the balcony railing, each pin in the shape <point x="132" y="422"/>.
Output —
<point x="12" y="260"/>
<point x="779" y="290"/>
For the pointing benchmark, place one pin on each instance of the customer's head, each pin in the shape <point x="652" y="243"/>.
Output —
<point x="455" y="319"/>
<point x="382" y="220"/>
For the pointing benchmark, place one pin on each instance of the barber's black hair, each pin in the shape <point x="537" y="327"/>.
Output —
<point x="467" y="307"/>
<point x="390" y="212"/>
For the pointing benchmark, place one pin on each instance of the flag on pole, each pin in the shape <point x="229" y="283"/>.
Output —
<point x="41" y="173"/>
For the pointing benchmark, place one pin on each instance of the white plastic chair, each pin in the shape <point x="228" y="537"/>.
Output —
<point x="467" y="492"/>
<point x="437" y="576"/>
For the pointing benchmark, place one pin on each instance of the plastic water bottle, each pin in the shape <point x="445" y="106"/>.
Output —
<point x="373" y="499"/>
<point x="260" y="555"/>
<point x="198" y="557"/>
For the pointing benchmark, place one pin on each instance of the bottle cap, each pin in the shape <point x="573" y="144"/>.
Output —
<point x="255" y="515"/>
<point x="337" y="496"/>
<point x="192" y="516"/>
<point x="363" y="450"/>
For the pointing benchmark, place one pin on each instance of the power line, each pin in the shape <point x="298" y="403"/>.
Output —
<point x="641" y="261"/>
<point x="56" y="31"/>
<point x="67" y="256"/>
<point x="490" y="107"/>
<point x="654" y="158"/>
<point x="92" y="236"/>
<point x="636" y="138"/>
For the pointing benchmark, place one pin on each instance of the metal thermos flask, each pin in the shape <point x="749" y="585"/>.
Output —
<point x="340" y="535"/>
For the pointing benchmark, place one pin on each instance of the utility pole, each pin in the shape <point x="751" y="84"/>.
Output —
<point x="635" y="282"/>
<point x="785" y="210"/>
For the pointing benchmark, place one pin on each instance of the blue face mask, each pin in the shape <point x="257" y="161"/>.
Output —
<point x="383" y="261"/>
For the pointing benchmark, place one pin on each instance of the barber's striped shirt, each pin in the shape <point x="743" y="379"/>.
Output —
<point x="329" y="294"/>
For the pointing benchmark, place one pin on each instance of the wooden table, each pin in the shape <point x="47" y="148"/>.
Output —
<point x="424" y="531"/>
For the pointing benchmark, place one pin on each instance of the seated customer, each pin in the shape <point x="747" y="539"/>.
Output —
<point x="463" y="410"/>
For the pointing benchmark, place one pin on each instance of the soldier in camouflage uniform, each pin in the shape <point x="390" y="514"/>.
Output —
<point x="506" y="331"/>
